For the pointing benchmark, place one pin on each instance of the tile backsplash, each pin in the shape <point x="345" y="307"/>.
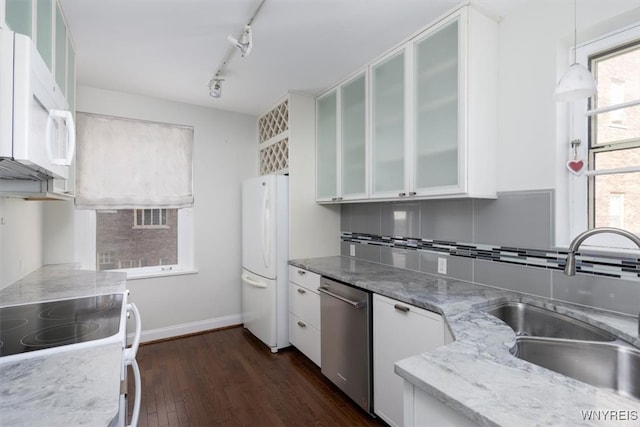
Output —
<point x="504" y="243"/>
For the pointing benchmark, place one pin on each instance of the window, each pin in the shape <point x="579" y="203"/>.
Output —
<point x="607" y="194"/>
<point x="614" y="140"/>
<point x="134" y="212"/>
<point x="150" y="218"/>
<point x="152" y="241"/>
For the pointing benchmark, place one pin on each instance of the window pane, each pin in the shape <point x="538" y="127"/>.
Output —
<point x="616" y="197"/>
<point x="156" y="217"/>
<point x="618" y="77"/>
<point x="617" y="126"/>
<point x="120" y="245"/>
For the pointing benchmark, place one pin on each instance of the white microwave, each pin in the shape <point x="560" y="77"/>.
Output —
<point x="37" y="132"/>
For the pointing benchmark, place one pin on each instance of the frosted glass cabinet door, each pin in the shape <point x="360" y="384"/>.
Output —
<point x="388" y="125"/>
<point x="436" y="109"/>
<point x="353" y="137"/>
<point x="61" y="51"/>
<point x="18" y="16"/>
<point x="326" y="140"/>
<point x="44" y="31"/>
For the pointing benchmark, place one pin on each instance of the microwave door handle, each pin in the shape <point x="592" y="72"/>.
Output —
<point x="67" y="118"/>
<point x="138" y="392"/>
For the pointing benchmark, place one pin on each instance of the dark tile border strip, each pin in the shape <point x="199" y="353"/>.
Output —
<point x="597" y="265"/>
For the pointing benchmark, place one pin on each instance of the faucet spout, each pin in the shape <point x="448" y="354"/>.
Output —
<point x="570" y="266"/>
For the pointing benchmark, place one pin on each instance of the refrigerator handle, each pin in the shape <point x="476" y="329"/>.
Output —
<point x="266" y="228"/>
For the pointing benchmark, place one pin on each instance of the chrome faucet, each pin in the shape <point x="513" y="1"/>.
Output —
<point x="570" y="266"/>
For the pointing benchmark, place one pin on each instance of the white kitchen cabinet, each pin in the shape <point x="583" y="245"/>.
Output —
<point x="388" y="105"/>
<point x="399" y="331"/>
<point x="454" y="117"/>
<point x="43" y="21"/>
<point x="422" y="409"/>
<point x="341" y="142"/>
<point x="433" y="114"/>
<point x="327" y="147"/>
<point x="304" y="312"/>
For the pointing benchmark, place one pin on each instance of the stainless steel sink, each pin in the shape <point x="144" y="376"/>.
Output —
<point x="607" y="365"/>
<point x="528" y="320"/>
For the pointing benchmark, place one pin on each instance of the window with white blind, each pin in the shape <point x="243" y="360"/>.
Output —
<point x="135" y="208"/>
<point x="607" y="194"/>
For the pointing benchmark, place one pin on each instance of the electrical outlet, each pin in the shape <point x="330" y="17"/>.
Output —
<point x="352" y="250"/>
<point x="442" y="266"/>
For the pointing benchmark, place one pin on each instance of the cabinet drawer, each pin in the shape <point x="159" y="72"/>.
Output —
<point x="304" y="278"/>
<point x="305" y="304"/>
<point x="305" y="338"/>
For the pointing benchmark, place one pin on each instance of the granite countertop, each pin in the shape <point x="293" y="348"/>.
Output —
<point x="476" y="375"/>
<point x="78" y="387"/>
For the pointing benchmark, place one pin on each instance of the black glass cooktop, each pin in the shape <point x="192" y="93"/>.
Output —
<point x="43" y="325"/>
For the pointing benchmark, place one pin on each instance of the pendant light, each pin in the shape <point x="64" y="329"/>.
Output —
<point x="578" y="82"/>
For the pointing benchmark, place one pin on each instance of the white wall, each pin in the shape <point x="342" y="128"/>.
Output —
<point x="20" y="239"/>
<point x="225" y="151"/>
<point x="534" y="42"/>
<point x="314" y="229"/>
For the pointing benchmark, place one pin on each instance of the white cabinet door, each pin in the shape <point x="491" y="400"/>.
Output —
<point x="353" y="139"/>
<point x="304" y="312"/>
<point x="388" y="140"/>
<point x="437" y="111"/>
<point x="327" y="147"/>
<point x="421" y="330"/>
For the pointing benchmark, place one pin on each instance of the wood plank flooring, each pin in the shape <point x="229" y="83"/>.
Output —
<point x="229" y="378"/>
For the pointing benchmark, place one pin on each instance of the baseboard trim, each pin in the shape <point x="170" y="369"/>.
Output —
<point x="187" y="328"/>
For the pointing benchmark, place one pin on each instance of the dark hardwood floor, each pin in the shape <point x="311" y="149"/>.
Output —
<point x="229" y="378"/>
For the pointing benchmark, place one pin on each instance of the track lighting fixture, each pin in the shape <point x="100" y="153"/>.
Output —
<point x="215" y="87"/>
<point x="244" y="43"/>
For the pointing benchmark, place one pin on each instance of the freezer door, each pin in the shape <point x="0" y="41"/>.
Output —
<point x="259" y="226"/>
<point x="259" y="307"/>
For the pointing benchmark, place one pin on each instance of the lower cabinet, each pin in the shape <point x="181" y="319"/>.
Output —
<point x="304" y="312"/>
<point x="422" y="409"/>
<point x="400" y="330"/>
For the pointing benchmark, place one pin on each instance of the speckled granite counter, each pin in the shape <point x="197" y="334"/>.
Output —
<point x="71" y="388"/>
<point x="60" y="281"/>
<point x="476" y="375"/>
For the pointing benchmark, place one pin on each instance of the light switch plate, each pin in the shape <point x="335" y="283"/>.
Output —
<point x="352" y="250"/>
<point x="442" y="266"/>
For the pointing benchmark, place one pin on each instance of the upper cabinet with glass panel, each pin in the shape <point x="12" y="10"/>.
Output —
<point x="341" y="142"/>
<point x="433" y="113"/>
<point x="43" y="21"/>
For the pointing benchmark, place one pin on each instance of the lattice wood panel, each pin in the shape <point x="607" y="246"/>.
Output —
<point x="275" y="157"/>
<point x="274" y="122"/>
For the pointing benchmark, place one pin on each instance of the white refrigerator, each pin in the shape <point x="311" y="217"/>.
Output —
<point x="265" y="256"/>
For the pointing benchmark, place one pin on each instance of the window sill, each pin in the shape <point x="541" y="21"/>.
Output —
<point x="150" y="275"/>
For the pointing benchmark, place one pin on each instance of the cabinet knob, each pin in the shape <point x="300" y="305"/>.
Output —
<point x="401" y="307"/>
<point x="412" y="193"/>
<point x="301" y="291"/>
<point x="333" y="199"/>
<point x="302" y="272"/>
<point x="301" y="324"/>
<point x="402" y="194"/>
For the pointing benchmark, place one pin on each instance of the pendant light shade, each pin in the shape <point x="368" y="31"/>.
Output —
<point x="576" y="84"/>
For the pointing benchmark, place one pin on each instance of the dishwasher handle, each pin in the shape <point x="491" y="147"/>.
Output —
<point x="325" y="290"/>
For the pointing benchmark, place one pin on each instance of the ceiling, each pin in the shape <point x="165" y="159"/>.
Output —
<point x="170" y="49"/>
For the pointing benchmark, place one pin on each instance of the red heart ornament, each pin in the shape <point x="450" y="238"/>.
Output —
<point x="575" y="166"/>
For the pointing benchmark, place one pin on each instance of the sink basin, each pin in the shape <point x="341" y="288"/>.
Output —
<point x="528" y="320"/>
<point x="607" y="365"/>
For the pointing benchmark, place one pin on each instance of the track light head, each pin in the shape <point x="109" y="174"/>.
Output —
<point x="245" y="43"/>
<point x="215" y="87"/>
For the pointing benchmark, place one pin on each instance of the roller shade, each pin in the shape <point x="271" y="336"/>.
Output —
<point x="124" y="163"/>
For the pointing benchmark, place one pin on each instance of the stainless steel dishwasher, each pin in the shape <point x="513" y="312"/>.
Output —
<point x="346" y="345"/>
